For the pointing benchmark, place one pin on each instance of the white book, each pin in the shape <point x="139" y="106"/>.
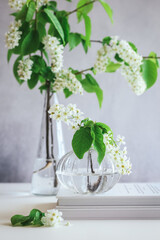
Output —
<point x="122" y="194"/>
<point x="110" y="212"/>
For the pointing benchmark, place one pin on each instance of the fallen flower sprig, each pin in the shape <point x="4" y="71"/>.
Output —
<point x="51" y="218"/>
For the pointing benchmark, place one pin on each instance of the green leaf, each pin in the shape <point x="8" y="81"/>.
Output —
<point x="132" y="46"/>
<point x="43" y="88"/>
<point x="153" y="58"/>
<point x="112" y="67"/>
<point x="74" y="40"/>
<point x="106" y="40"/>
<point x="46" y="55"/>
<point x="105" y="128"/>
<point x="33" y="81"/>
<point x="67" y="93"/>
<point x="84" y="44"/>
<point x="41" y="30"/>
<point x="30" y="11"/>
<point x="55" y="22"/>
<point x="31" y="43"/>
<point x="98" y="143"/>
<point x="82" y="141"/>
<point x="9" y="54"/>
<point x="66" y="28"/>
<point x="88" y="26"/>
<point x="149" y="72"/>
<point x="39" y="64"/>
<point x="18" y="220"/>
<point x="21" y="15"/>
<point x="117" y="57"/>
<point x="25" y="30"/>
<point x="15" y="68"/>
<point x="107" y="9"/>
<point x="83" y="10"/>
<point x="90" y="85"/>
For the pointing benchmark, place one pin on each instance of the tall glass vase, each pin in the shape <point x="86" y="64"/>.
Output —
<point x="50" y="150"/>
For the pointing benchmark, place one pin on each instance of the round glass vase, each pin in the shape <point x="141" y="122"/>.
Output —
<point x="86" y="176"/>
<point x="50" y="150"/>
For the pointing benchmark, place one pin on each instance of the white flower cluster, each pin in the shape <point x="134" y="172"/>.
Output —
<point x="52" y="218"/>
<point x="16" y="4"/>
<point x="13" y="35"/>
<point x="118" y="154"/>
<point x="71" y="115"/>
<point x="24" y="69"/>
<point x="55" y="49"/>
<point x="131" y="64"/>
<point x="103" y="58"/>
<point x="66" y="79"/>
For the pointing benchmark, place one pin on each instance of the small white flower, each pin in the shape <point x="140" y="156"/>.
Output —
<point x="66" y="79"/>
<point x="13" y="35"/>
<point x="118" y="155"/>
<point x="24" y="69"/>
<point x="16" y="4"/>
<point x="52" y="218"/>
<point x="70" y="114"/>
<point x="120" y="140"/>
<point x="55" y="49"/>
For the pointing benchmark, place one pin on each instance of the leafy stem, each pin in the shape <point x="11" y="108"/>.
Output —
<point x="75" y="10"/>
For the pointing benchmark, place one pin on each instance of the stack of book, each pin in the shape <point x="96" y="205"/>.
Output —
<point x="124" y="201"/>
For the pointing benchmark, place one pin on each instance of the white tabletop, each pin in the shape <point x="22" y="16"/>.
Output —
<point x="16" y="199"/>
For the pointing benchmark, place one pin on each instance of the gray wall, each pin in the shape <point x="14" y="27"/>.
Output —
<point x="137" y="118"/>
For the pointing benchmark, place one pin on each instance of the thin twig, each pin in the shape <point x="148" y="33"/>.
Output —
<point x="96" y="41"/>
<point x="75" y="10"/>
<point x="85" y="70"/>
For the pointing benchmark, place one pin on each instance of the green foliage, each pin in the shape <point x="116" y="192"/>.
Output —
<point x="108" y="10"/>
<point x="55" y="22"/>
<point x="21" y="15"/>
<point x="30" y="43"/>
<point x="33" y="81"/>
<point x="90" y="134"/>
<point x="83" y="10"/>
<point x="82" y="141"/>
<point x="105" y="128"/>
<point x="15" y="68"/>
<point x="153" y="58"/>
<point x="41" y="30"/>
<point x="132" y="46"/>
<point x="25" y="30"/>
<point x="106" y="40"/>
<point x="34" y="219"/>
<point x="74" y="40"/>
<point x="67" y="93"/>
<point x="149" y="72"/>
<point x="90" y="85"/>
<point x="98" y="143"/>
<point x="87" y="28"/>
<point x="112" y="67"/>
<point x="117" y="57"/>
<point x="9" y="54"/>
<point x="30" y="11"/>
